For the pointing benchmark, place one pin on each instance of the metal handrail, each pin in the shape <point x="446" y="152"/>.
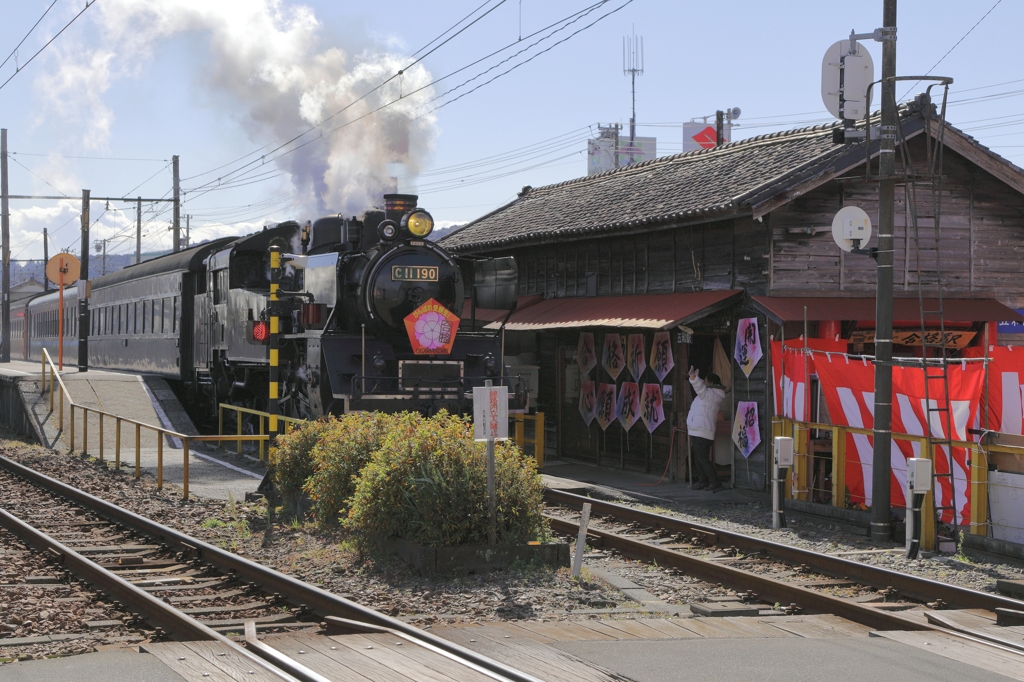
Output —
<point x="238" y="424"/>
<point x="161" y="432"/>
<point x="978" y="464"/>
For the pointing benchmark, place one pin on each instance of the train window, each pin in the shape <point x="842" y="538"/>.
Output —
<point x="220" y="286"/>
<point x="145" y="317"/>
<point x="167" y="316"/>
<point x="174" y="315"/>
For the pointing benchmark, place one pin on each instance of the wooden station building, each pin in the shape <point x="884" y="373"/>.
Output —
<point x="696" y="242"/>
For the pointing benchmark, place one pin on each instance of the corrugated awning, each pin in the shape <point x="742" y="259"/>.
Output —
<point x="791" y="309"/>
<point x="651" y="311"/>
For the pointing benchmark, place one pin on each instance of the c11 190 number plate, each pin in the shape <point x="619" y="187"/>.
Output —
<point x="413" y="273"/>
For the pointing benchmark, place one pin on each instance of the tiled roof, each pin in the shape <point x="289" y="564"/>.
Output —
<point x="672" y="188"/>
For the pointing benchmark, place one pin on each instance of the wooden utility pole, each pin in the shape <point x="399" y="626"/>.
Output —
<point x="881" y="524"/>
<point x="46" y="259"/>
<point x="138" y="231"/>
<point x="83" y="302"/>
<point x="177" y="205"/>
<point x="5" y="255"/>
<point x="719" y="128"/>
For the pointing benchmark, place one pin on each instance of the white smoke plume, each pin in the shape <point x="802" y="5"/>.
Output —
<point x="271" y="64"/>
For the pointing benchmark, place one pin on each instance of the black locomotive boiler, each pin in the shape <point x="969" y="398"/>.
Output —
<point x="369" y="307"/>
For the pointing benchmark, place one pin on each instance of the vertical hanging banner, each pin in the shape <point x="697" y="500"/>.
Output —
<point x="662" y="360"/>
<point x="635" y="360"/>
<point x="586" y="353"/>
<point x="746" y="430"/>
<point x="628" y="404"/>
<point x="652" y="409"/>
<point x="613" y="358"/>
<point x="431" y="329"/>
<point x="748" y="345"/>
<point x="606" y="412"/>
<point x="588" y="401"/>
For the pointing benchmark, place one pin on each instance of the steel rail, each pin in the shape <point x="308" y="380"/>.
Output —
<point x="767" y="589"/>
<point x="290" y="588"/>
<point x="179" y="625"/>
<point x="908" y="585"/>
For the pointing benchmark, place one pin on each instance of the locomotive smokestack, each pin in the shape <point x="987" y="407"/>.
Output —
<point x="397" y="205"/>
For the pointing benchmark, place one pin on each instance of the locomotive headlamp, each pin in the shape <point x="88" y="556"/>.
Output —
<point x="387" y="230"/>
<point x="419" y="223"/>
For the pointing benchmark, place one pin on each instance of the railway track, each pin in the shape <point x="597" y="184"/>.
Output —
<point x="165" y="585"/>
<point x="769" y="573"/>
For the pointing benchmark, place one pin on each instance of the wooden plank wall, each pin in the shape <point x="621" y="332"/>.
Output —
<point x="729" y="254"/>
<point x="980" y="247"/>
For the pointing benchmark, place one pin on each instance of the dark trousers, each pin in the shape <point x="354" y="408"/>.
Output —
<point x="703" y="467"/>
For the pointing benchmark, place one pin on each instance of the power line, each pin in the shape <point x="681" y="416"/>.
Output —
<point x="527" y="61"/>
<point x="387" y="104"/>
<point x="39" y="178"/>
<point x="361" y="98"/>
<point x="928" y="73"/>
<point x="582" y="14"/>
<point x="15" y="50"/>
<point x="88" y="4"/>
<point x="88" y="158"/>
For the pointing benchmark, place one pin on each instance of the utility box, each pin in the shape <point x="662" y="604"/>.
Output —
<point x="783" y="451"/>
<point x="919" y="475"/>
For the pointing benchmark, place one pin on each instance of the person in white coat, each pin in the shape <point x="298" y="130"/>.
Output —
<point x="700" y="424"/>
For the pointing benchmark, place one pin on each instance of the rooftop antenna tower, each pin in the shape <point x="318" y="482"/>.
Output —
<point x="633" y="66"/>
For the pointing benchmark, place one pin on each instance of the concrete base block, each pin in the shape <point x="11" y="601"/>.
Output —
<point x="1011" y="588"/>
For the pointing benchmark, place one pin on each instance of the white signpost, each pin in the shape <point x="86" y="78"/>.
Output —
<point x="490" y="423"/>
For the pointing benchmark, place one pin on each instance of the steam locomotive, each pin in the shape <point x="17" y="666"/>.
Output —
<point x="370" y="318"/>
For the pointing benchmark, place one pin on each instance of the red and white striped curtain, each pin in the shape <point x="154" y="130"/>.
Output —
<point x="849" y="389"/>
<point x="1005" y="387"/>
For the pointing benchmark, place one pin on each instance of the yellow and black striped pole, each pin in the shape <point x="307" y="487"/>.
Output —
<point x="273" y="310"/>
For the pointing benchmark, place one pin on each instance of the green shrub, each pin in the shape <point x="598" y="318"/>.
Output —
<point x="343" y="450"/>
<point x="428" y="483"/>
<point x="291" y="458"/>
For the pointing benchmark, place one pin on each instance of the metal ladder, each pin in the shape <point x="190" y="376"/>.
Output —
<point x="937" y="411"/>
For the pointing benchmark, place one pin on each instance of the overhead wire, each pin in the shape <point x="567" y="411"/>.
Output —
<point x="943" y="57"/>
<point x="37" y="177"/>
<point x="534" y="56"/>
<point x="387" y="104"/>
<point x="88" y="4"/>
<point x="87" y="158"/>
<point x="16" y="47"/>
<point x="366" y="94"/>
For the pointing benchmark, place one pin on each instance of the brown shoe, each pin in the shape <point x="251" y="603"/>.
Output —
<point x="699" y="485"/>
<point x="716" y="487"/>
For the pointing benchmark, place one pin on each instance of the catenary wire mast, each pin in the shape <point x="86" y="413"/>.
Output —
<point x="633" y="66"/>
<point x="83" y="303"/>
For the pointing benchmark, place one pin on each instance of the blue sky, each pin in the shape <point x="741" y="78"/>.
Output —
<point x="223" y="84"/>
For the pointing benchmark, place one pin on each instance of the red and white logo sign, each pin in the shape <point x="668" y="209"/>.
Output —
<point x="706" y="138"/>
